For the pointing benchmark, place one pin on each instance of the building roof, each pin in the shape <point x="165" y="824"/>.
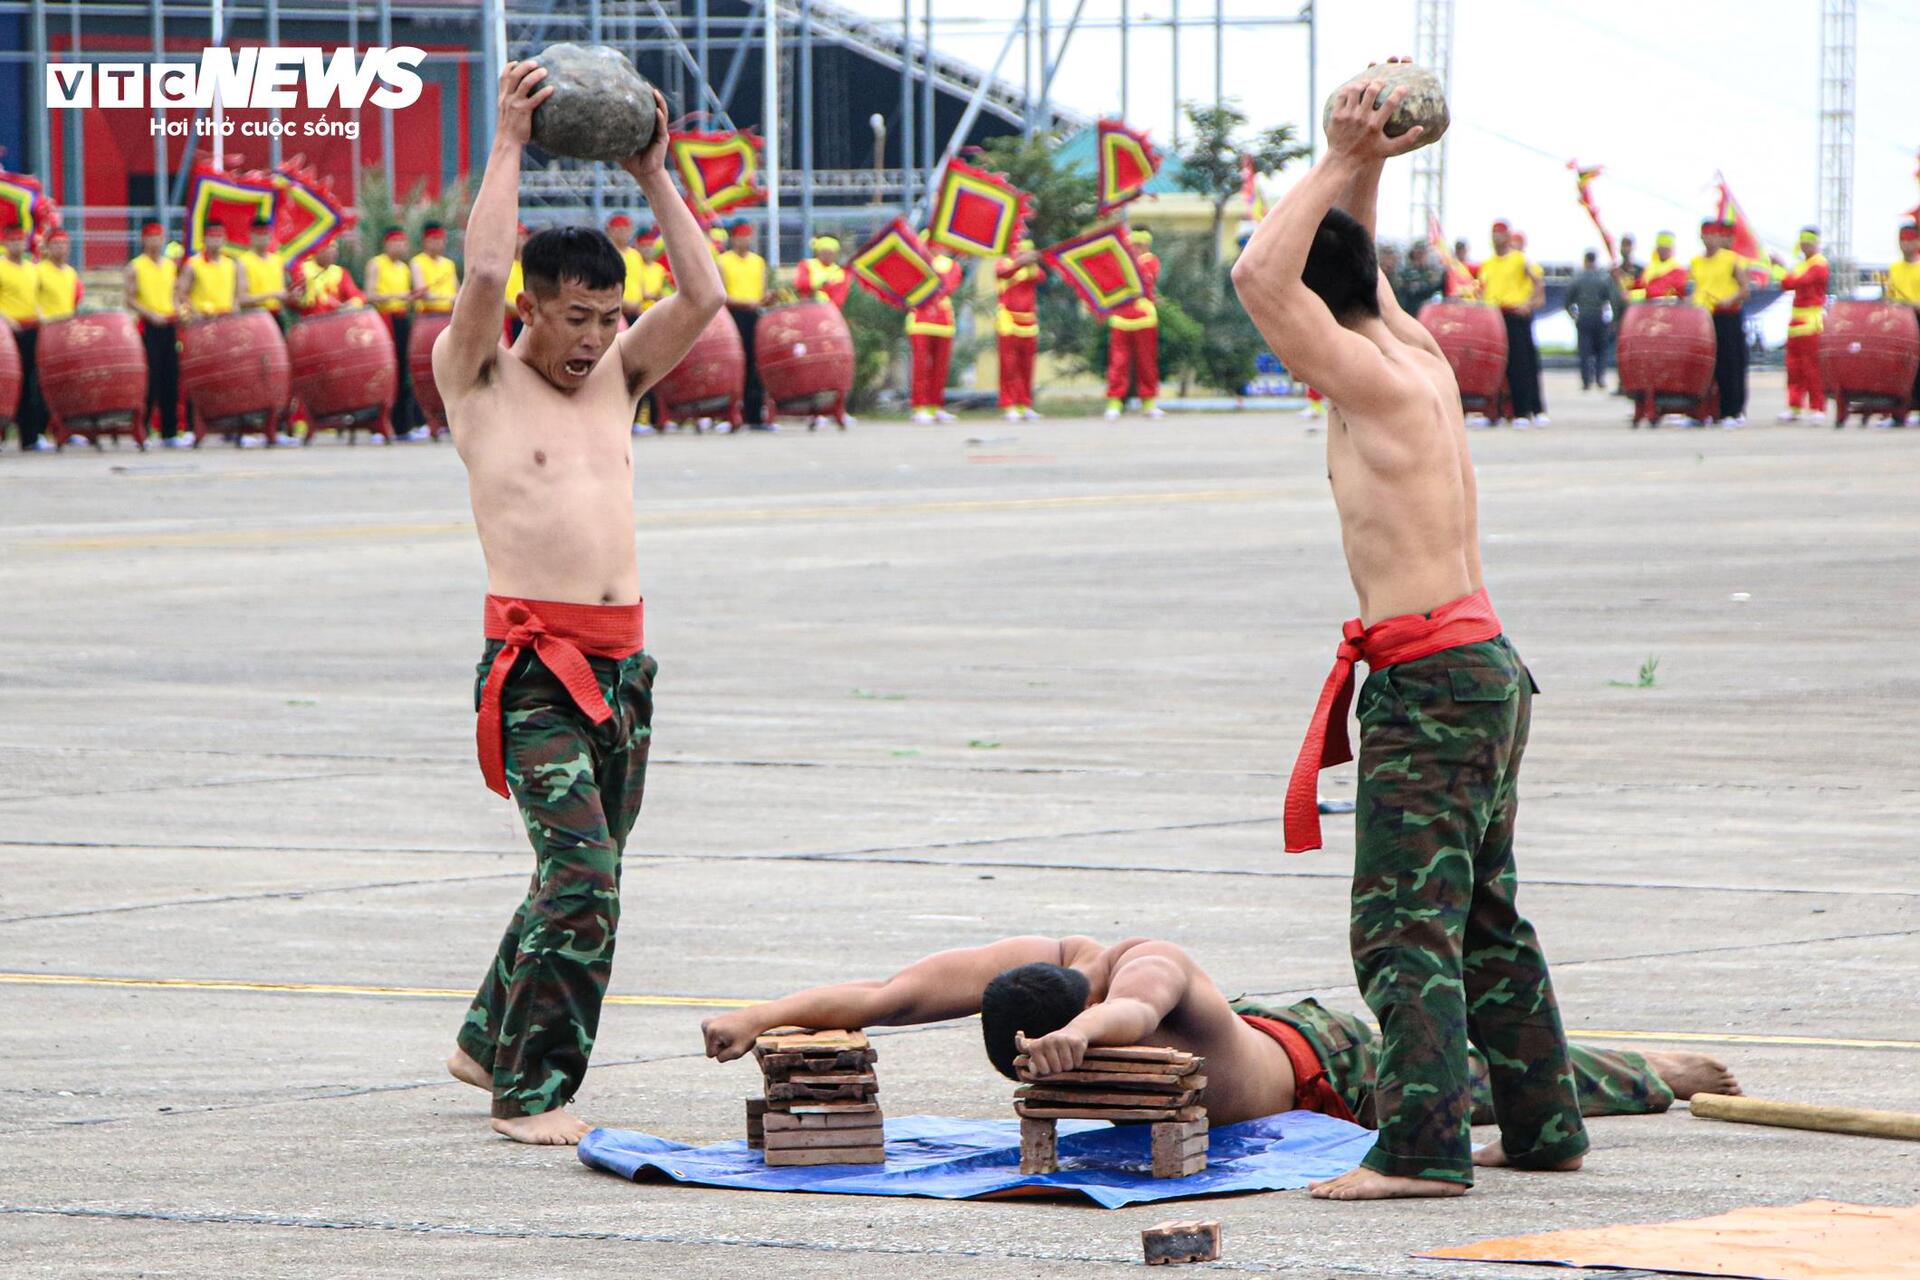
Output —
<point x="1078" y="153"/>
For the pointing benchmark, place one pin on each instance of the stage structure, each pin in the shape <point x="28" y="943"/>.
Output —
<point x="1432" y="49"/>
<point x="1838" y="24"/>
<point x="866" y="111"/>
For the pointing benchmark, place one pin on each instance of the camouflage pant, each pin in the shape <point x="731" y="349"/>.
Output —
<point x="578" y="786"/>
<point x="1608" y="1082"/>
<point x="1441" y="955"/>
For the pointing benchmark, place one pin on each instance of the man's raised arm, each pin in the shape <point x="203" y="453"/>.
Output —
<point x="1148" y="985"/>
<point x="668" y="329"/>
<point x="1361" y="200"/>
<point x="1292" y="318"/>
<point x="942" y="986"/>
<point x="466" y="351"/>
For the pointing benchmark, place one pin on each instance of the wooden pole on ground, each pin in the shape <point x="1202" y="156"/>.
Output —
<point x="1799" y="1115"/>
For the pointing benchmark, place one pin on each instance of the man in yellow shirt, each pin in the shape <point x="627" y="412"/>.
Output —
<point x="263" y="273"/>
<point x="620" y="231"/>
<point x="516" y="282"/>
<point x="325" y="285"/>
<point x="436" y="280"/>
<point x="656" y="277"/>
<point x="821" y="278"/>
<point x="1511" y="281"/>
<point x="744" y="273"/>
<point x="391" y="290"/>
<point x="149" y="288"/>
<point x="209" y="281"/>
<point x="1720" y="286"/>
<point x="20" y="311"/>
<point x="1903" y="285"/>
<point x="60" y="289"/>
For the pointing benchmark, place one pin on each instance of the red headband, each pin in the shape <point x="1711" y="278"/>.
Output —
<point x="152" y="229"/>
<point x="1910" y="233"/>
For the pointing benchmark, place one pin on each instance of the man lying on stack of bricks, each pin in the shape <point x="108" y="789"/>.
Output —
<point x="1065" y="994"/>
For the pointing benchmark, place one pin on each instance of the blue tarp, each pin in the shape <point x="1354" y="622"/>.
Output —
<point x="953" y="1159"/>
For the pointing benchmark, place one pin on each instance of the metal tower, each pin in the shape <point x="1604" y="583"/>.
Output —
<point x="1835" y="197"/>
<point x="1433" y="49"/>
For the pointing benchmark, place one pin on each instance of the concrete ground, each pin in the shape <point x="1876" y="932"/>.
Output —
<point x="919" y="688"/>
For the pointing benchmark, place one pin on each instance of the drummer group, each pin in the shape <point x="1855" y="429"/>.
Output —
<point x="166" y="288"/>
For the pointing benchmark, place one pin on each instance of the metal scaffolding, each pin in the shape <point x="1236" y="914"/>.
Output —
<point x="699" y="50"/>
<point x="1432" y="49"/>
<point x="1835" y="196"/>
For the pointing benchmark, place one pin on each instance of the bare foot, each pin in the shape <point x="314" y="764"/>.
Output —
<point x="1365" y="1184"/>
<point x="1690" y="1073"/>
<point x="548" y="1129"/>
<point x="1494" y="1156"/>
<point x="462" y="1067"/>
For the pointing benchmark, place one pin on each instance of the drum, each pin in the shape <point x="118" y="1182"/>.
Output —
<point x="234" y="371"/>
<point x="420" y="335"/>
<point x="1473" y="338"/>
<point x="710" y="381"/>
<point x="1868" y="354"/>
<point x="1666" y="360"/>
<point x="345" y="372"/>
<point x="805" y="357"/>
<point x="10" y="377"/>
<point x="93" y="376"/>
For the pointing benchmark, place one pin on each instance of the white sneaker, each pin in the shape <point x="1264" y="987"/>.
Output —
<point x="284" y="438"/>
<point x="253" y="441"/>
<point x="377" y="440"/>
<point x="1156" y="412"/>
<point x="1013" y="415"/>
<point x="1732" y="424"/>
<point x="1111" y="415"/>
<point x="848" y="420"/>
<point x="724" y="428"/>
<point x="79" y="441"/>
<point x="1030" y="414"/>
<point x="1541" y="420"/>
<point x="1788" y="415"/>
<point x="1311" y="412"/>
<point x="644" y="429"/>
<point x="1474" y="420"/>
<point x="922" y="418"/>
<point x="44" y="445"/>
<point x="1523" y="424"/>
<point x="941" y="415"/>
<point x="419" y="433"/>
<point x="177" y="442"/>
<point x="1675" y="420"/>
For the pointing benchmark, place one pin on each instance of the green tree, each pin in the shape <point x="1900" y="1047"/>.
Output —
<point x="376" y="209"/>
<point x="1211" y="163"/>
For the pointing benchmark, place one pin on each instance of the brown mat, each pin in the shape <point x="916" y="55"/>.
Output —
<point x="1818" y="1240"/>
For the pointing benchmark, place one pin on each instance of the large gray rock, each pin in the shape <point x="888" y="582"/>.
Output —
<point x="1425" y="103"/>
<point x="601" y="108"/>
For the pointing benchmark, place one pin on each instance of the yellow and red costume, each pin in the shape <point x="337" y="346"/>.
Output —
<point x="1017" y="324"/>
<point x="1133" y="340"/>
<point x="819" y="281"/>
<point x="1807" y="280"/>
<point x="930" y="329"/>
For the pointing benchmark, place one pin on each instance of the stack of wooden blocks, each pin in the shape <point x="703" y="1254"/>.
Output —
<point x="818" y="1106"/>
<point x="1134" y="1084"/>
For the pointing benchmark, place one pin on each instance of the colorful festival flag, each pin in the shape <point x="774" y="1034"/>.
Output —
<point x="721" y="171"/>
<point x="1101" y="267"/>
<point x="231" y="199"/>
<point x="1127" y="163"/>
<point x="1461" y="282"/>
<point x="897" y="267"/>
<point x="24" y="204"/>
<point x="1745" y="242"/>
<point x="308" y="214"/>
<point x="978" y="212"/>
<point x="1584" y="178"/>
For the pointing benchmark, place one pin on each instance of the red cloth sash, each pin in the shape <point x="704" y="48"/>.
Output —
<point x="1468" y="620"/>
<point x="1312" y="1089"/>
<point x="562" y="634"/>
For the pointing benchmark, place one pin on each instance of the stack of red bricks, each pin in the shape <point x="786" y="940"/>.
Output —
<point x="819" y="1104"/>
<point x="1132" y="1084"/>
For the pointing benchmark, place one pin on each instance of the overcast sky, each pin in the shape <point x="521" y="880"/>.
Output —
<point x="1661" y="93"/>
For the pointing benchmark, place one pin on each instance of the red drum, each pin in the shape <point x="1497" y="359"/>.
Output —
<point x="1473" y="338"/>
<point x="10" y="377"/>
<point x="420" y="335"/>
<point x="93" y="376"/>
<point x="711" y="381"/>
<point x="234" y="371"/>
<point x="805" y="355"/>
<point x="1868" y="354"/>
<point x="344" y="372"/>
<point x="1666" y="360"/>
